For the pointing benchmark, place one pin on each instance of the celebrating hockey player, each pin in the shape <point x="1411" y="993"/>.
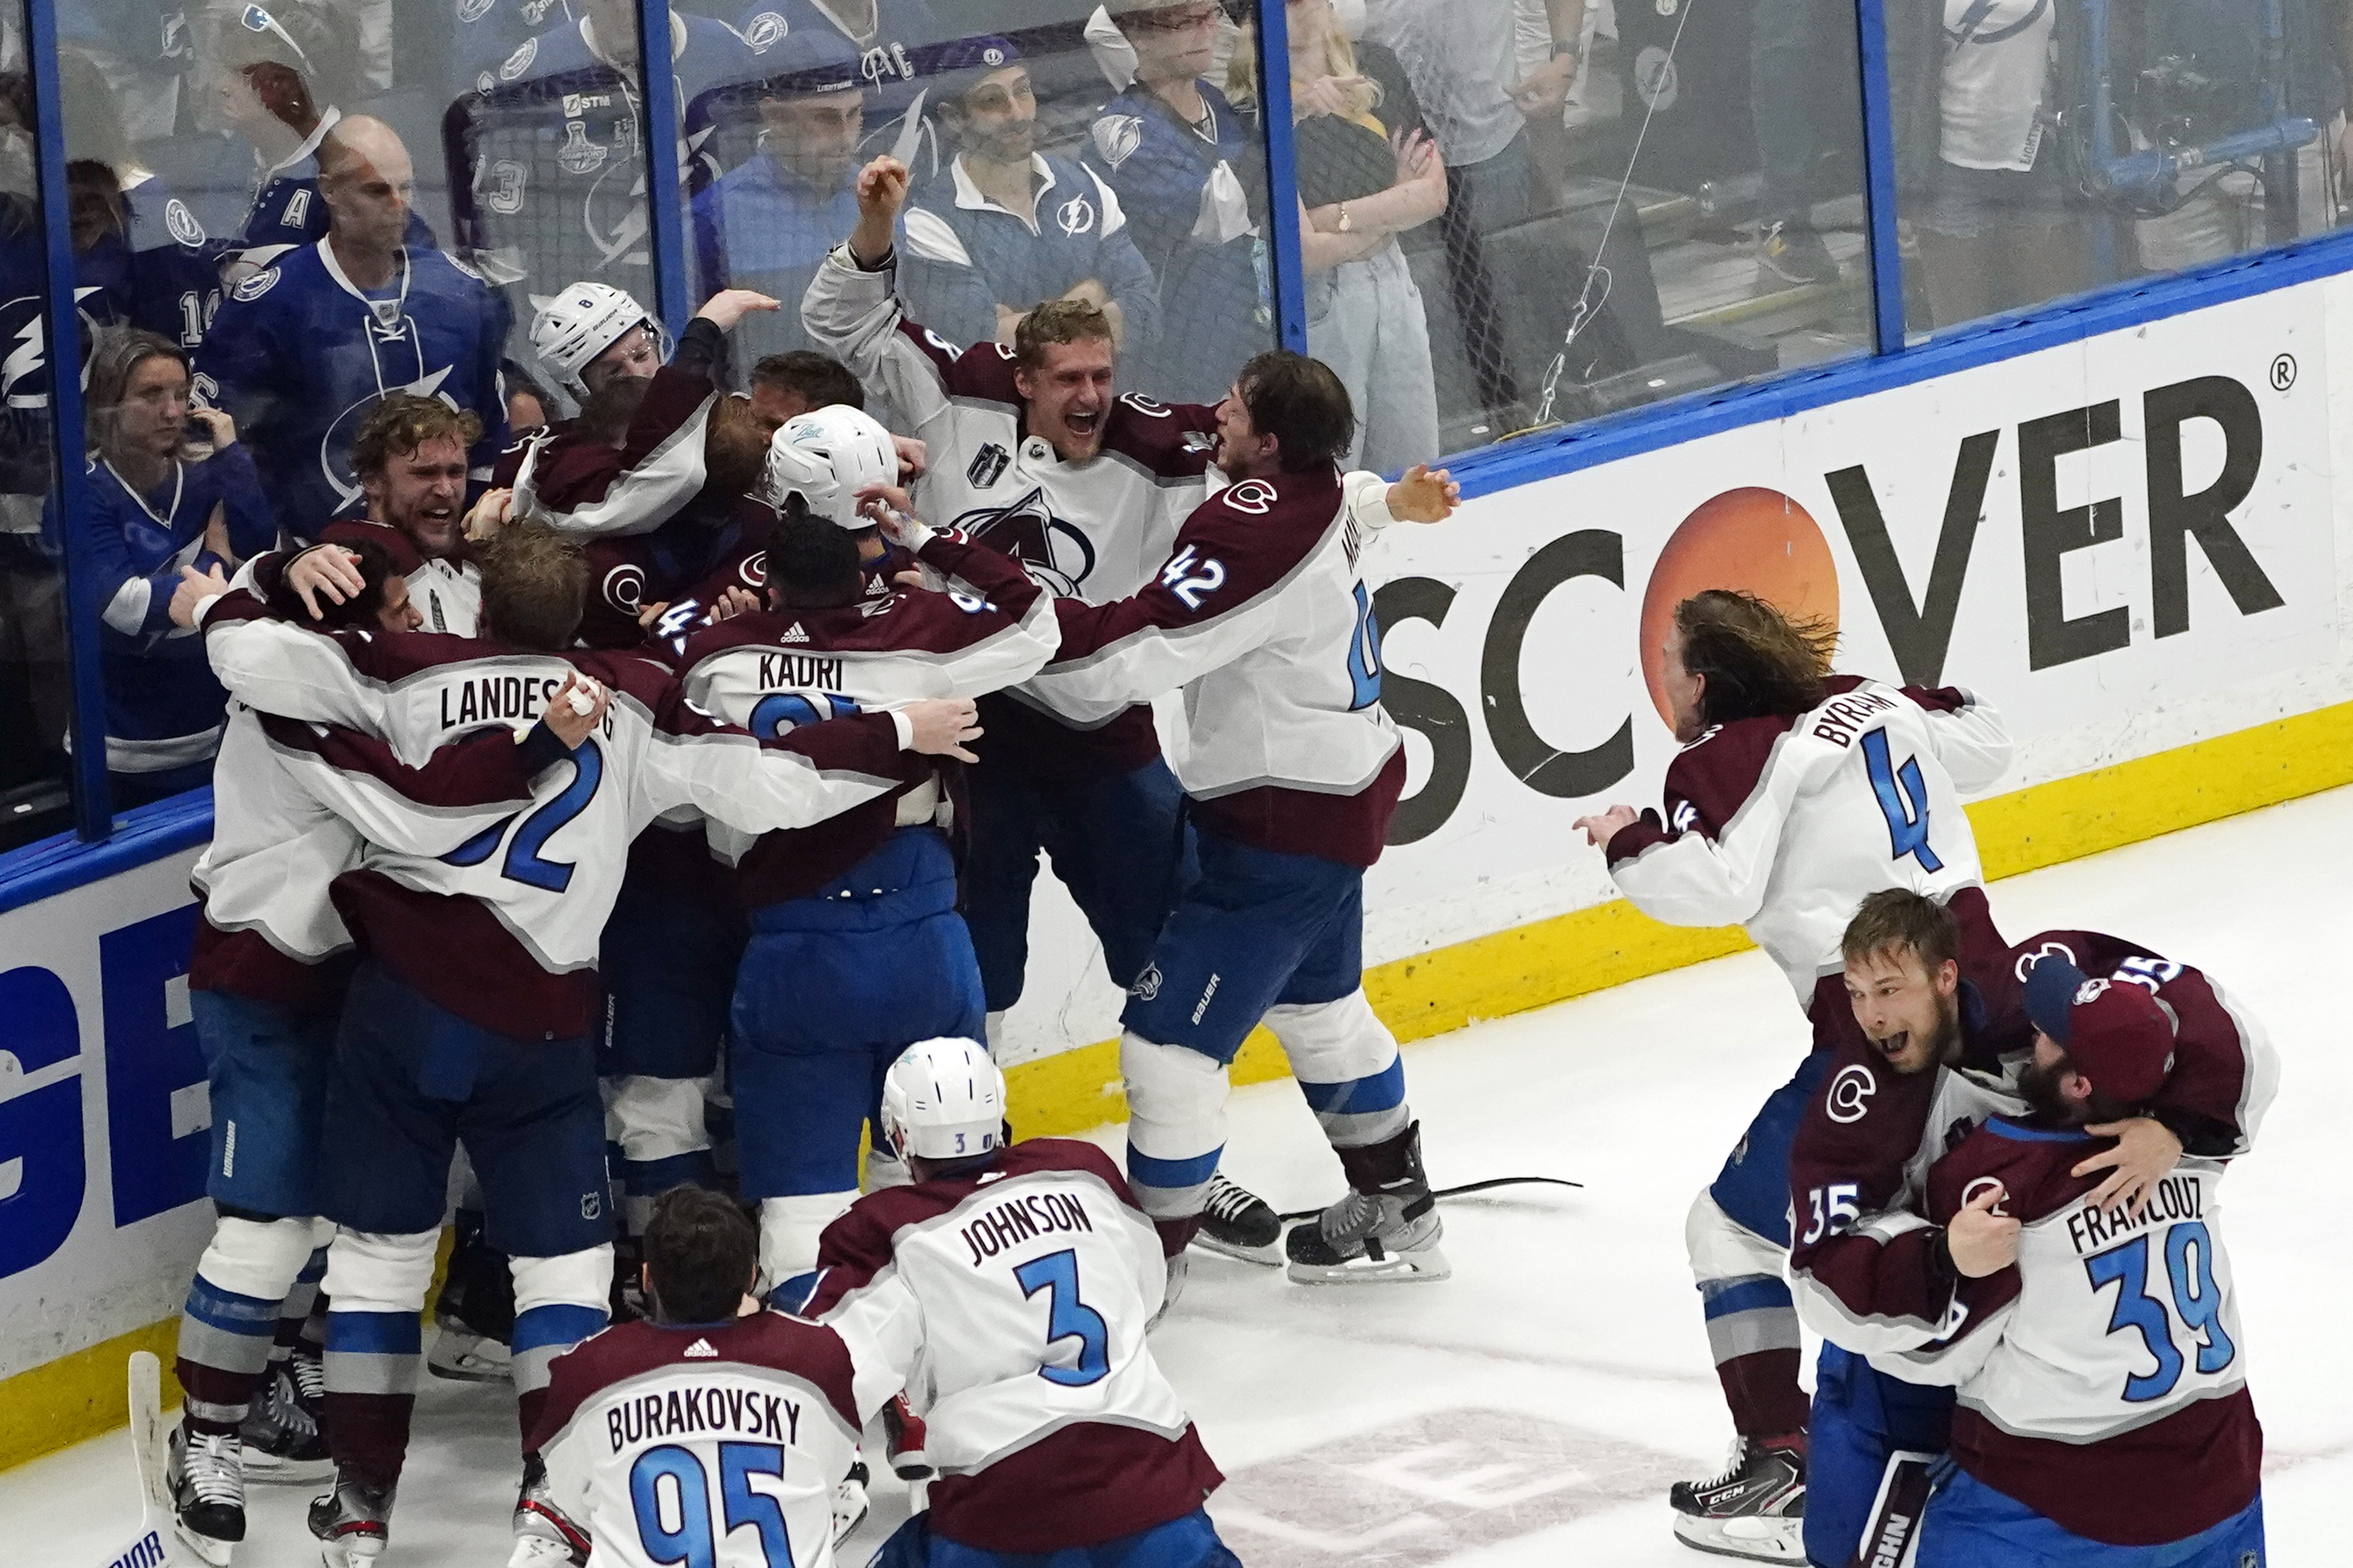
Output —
<point x="1930" y="1059"/>
<point x="857" y="948"/>
<point x="459" y="1028"/>
<point x="1034" y="454"/>
<point x="1010" y="1287"/>
<point x="303" y="349"/>
<point x="2102" y="1414"/>
<point x="1262" y="617"/>
<point x="1797" y="792"/>
<point x="410" y="456"/>
<point x="776" y="1420"/>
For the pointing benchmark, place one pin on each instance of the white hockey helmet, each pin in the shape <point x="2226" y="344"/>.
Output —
<point x="828" y="455"/>
<point x="580" y="322"/>
<point x="943" y="1100"/>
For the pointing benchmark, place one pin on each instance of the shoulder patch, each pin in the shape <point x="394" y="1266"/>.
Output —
<point x="474" y="10"/>
<point x="520" y="61"/>
<point x="255" y="287"/>
<point x="1117" y="136"/>
<point x="1144" y="405"/>
<point x="1255" y="496"/>
<point x="182" y="223"/>
<point x="765" y="31"/>
<point x="464" y="267"/>
<point x="1848" y="1099"/>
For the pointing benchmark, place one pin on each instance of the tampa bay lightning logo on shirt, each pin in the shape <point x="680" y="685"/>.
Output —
<point x="255" y="287"/>
<point x="182" y="223"/>
<point x="765" y="31"/>
<point x="1076" y="215"/>
<point x="1053" y="552"/>
<point x="1117" y="136"/>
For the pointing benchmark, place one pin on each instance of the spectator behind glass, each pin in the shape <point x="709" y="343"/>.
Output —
<point x="1004" y="226"/>
<point x="1802" y="101"/>
<point x="303" y="349"/>
<point x="766" y="223"/>
<point x="141" y="257"/>
<point x="1462" y="59"/>
<point x="1998" y="228"/>
<point x="1172" y="148"/>
<point x="1361" y="185"/>
<point x="161" y="497"/>
<point x="33" y="679"/>
<point x="887" y="39"/>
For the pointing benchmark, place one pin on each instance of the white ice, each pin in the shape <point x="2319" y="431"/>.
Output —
<point x="1532" y="1410"/>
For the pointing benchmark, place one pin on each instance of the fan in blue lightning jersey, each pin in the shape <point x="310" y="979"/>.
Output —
<point x="301" y="349"/>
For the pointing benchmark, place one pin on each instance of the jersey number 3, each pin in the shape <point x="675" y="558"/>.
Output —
<point x="1068" y="1318"/>
<point x="1902" y="799"/>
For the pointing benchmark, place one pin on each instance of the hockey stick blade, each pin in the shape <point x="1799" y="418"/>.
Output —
<point x="159" y="1544"/>
<point x="1467" y="1189"/>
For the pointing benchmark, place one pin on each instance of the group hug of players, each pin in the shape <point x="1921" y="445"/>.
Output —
<point x="729" y="727"/>
<point x="1992" y="1187"/>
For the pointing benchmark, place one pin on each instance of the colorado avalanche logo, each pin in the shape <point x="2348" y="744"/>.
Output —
<point x="625" y="588"/>
<point x="1053" y="552"/>
<point x="1255" y="496"/>
<point x="1850" y="1094"/>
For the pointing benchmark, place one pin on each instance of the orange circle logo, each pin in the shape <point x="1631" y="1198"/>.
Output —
<point x="1755" y="539"/>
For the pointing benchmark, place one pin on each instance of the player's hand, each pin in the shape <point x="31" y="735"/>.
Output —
<point x="882" y="191"/>
<point x="733" y="600"/>
<point x="565" y="716"/>
<point x="194" y="587"/>
<point x="1982" y="1239"/>
<point x="727" y="307"/>
<point x="2145" y="1149"/>
<point x="1601" y="829"/>
<point x="912" y="457"/>
<point x="329" y="572"/>
<point x="890" y="510"/>
<point x="218" y="421"/>
<point x="1008" y="321"/>
<point x="1424" y="495"/>
<point x="492" y="513"/>
<point x="649" y="613"/>
<point x="1546" y="86"/>
<point x="941" y="726"/>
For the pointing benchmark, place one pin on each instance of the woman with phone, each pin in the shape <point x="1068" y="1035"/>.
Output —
<point x="169" y="487"/>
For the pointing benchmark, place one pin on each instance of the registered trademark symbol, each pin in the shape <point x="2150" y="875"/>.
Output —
<point x="2282" y="373"/>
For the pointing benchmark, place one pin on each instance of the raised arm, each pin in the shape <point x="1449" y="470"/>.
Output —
<point x="853" y="312"/>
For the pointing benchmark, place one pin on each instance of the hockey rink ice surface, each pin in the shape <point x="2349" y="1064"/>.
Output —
<point x="1533" y="1409"/>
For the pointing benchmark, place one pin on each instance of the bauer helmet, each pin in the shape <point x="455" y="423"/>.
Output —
<point x="828" y="455"/>
<point x="576" y="325"/>
<point x="943" y="1100"/>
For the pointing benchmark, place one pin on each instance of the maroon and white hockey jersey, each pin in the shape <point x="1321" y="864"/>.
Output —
<point x="770" y="671"/>
<point x="565" y="477"/>
<point x="1011" y="1305"/>
<point x="1094" y="531"/>
<point x="718" y="1444"/>
<point x="1262" y="615"/>
<point x="446" y="590"/>
<point x="2102" y="1379"/>
<point x="1861" y="1260"/>
<point x="503" y="930"/>
<point x="1783" y="825"/>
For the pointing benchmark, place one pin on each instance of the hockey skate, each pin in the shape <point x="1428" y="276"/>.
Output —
<point x="353" y="1522"/>
<point x="1239" y="1223"/>
<point x="206" y="1477"/>
<point x="850" y="1504"/>
<point x="280" y="1433"/>
<point x="544" y="1536"/>
<point x="1385" y="1230"/>
<point x="907" y="1436"/>
<point x="1756" y="1509"/>
<point x="465" y="1357"/>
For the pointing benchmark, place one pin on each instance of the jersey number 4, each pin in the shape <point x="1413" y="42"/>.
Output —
<point x="2189" y="1271"/>
<point x="1902" y="799"/>
<point x="671" y="1494"/>
<point x="1068" y="1318"/>
<point x="524" y="862"/>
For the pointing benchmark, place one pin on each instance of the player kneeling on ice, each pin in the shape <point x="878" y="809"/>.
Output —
<point x="1291" y="771"/>
<point x="2102" y="1415"/>
<point x="713" y="1434"/>
<point x="1011" y="1287"/>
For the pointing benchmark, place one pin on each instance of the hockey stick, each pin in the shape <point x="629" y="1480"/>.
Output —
<point x="1467" y="1189"/>
<point x="159" y="1542"/>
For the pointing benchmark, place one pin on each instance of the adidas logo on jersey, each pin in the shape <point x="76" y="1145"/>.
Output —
<point x="701" y="1351"/>
<point x="794" y="633"/>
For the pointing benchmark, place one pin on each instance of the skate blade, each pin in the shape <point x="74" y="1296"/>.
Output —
<point x="1758" y="1539"/>
<point x="1410" y="1268"/>
<point x="271" y="1470"/>
<point x="471" y="1365"/>
<point x="1270" y="1255"/>
<point x="191" y="1547"/>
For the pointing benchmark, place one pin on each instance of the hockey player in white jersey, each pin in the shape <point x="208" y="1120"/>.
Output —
<point x="710" y="1434"/>
<point x="857" y="947"/>
<point x="1008" y="1290"/>
<point x="2103" y="1414"/>
<point x="1798" y="792"/>
<point x="1291" y="771"/>
<point x="471" y="1019"/>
